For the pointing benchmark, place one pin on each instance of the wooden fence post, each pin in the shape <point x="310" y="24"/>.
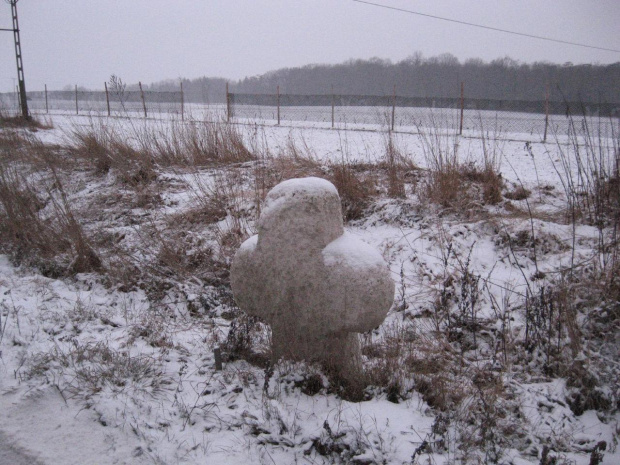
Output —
<point x="107" y="97"/>
<point x="393" y="107"/>
<point x="278" y="102"/>
<point x="546" y="112"/>
<point x="227" y="104"/>
<point x="142" y="97"/>
<point x="462" y="107"/>
<point x="182" y="103"/>
<point x="333" y="104"/>
<point x="77" y="110"/>
<point x="47" y="110"/>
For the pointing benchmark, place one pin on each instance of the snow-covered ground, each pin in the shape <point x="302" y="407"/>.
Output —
<point x="93" y="371"/>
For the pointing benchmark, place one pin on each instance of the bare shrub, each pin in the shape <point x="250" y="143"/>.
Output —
<point x="588" y="170"/>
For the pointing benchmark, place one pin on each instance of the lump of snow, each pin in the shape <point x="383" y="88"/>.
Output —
<point x="314" y="284"/>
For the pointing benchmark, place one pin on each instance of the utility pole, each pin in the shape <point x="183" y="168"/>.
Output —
<point x="18" y="56"/>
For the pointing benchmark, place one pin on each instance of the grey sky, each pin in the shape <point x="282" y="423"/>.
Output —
<point x="85" y="41"/>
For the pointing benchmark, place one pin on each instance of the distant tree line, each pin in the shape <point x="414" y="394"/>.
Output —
<point x="416" y="76"/>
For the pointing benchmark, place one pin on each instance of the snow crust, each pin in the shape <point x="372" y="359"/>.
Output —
<point x="228" y="417"/>
<point x="249" y="244"/>
<point x="287" y="192"/>
<point x="354" y="253"/>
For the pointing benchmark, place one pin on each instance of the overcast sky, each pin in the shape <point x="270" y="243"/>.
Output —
<point x="85" y="41"/>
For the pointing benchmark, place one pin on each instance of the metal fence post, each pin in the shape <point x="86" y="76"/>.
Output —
<point x="47" y="110"/>
<point x="142" y="97"/>
<point x="333" y="104"/>
<point x="182" y="103"/>
<point x="278" y="102"/>
<point x="227" y="105"/>
<point x="393" y="106"/>
<point x="77" y="109"/>
<point x="462" y="107"/>
<point x="546" y="113"/>
<point x="107" y="97"/>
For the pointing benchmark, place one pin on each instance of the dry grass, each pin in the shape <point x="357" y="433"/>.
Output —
<point x="439" y="356"/>
<point x="489" y="179"/>
<point x="37" y="223"/>
<point x="518" y="193"/>
<point x="107" y="148"/>
<point x="455" y="184"/>
<point x="589" y="172"/>
<point x="356" y="190"/>
<point x="84" y="370"/>
<point x="134" y="154"/>
<point x="194" y="144"/>
<point x="15" y="122"/>
<point x="395" y="162"/>
<point x="42" y="229"/>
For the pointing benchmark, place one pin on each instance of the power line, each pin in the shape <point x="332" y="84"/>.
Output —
<point x="522" y="34"/>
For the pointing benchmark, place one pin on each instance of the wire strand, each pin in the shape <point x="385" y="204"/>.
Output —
<point x="490" y="28"/>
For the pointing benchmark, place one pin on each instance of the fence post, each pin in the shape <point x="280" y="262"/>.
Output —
<point x="77" y="109"/>
<point x="393" y="106"/>
<point x="278" y="102"/>
<point x="47" y="110"/>
<point x="333" y="103"/>
<point x="227" y="105"/>
<point x="182" y="103"/>
<point x="546" y="112"/>
<point x="107" y="97"/>
<point x="217" y="355"/>
<point x="142" y="97"/>
<point x="462" y="107"/>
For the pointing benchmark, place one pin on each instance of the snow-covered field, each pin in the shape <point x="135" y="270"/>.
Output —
<point x="501" y="347"/>
<point x="514" y="125"/>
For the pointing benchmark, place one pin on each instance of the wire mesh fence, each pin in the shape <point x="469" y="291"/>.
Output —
<point x="459" y="115"/>
<point x="503" y="118"/>
<point x="100" y="102"/>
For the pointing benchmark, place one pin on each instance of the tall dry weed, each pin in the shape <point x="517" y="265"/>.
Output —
<point x="395" y="162"/>
<point x="39" y="225"/>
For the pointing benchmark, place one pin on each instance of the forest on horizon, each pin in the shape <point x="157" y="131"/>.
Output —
<point x="417" y="76"/>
